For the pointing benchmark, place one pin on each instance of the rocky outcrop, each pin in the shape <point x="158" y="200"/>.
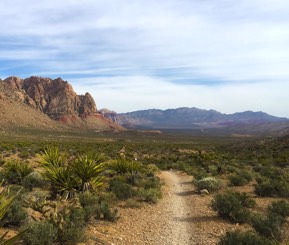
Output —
<point x="57" y="99"/>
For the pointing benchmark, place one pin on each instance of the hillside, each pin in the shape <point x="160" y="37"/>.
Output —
<point x="46" y="104"/>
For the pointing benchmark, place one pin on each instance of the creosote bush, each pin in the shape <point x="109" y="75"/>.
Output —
<point x="40" y="233"/>
<point x="233" y="206"/>
<point x="279" y="208"/>
<point x="269" y="226"/>
<point x="16" y="215"/>
<point x="240" y="179"/>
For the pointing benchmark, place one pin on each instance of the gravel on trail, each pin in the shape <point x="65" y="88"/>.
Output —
<point x="181" y="217"/>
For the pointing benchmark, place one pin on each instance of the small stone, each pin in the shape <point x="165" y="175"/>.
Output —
<point x="204" y="192"/>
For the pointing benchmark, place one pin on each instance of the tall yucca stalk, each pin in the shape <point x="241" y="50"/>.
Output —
<point x="88" y="169"/>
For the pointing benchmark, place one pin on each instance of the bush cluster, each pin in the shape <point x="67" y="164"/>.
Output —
<point x="233" y="206"/>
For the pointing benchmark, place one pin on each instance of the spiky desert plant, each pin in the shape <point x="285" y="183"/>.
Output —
<point x="63" y="180"/>
<point x="123" y="166"/>
<point x="52" y="156"/>
<point x="61" y="175"/>
<point x="15" y="171"/>
<point x="88" y="169"/>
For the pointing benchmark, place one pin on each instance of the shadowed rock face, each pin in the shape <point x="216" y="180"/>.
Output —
<point x="56" y="98"/>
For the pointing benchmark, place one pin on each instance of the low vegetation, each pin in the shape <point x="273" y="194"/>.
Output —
<point x="64" y="187"/>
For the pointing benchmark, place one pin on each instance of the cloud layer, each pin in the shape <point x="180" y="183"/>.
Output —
<point x="225" y="55"/>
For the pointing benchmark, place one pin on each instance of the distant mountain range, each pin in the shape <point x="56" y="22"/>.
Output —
<point x="38" y="103"/>
<point x="193" y="118"/>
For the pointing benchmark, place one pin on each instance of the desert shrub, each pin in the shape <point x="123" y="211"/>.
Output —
<point x="15" y="171"/>
<point x="91" y="205"/>
<point x="108" y="213"/>
<point x="268" y="226"/>
<point x="149" y="195"/>
<point x="243" y="238"/>
<point x="73" y="230"/>
<point x="40" y="233"/>
<point x="150" y="169"/>
<point x="237" y="180"/>
<point x="34" y="179"/>
<point x="233" y="206"/>
<point x="15" y="215"/>
<point x="120" y="188"/>
<point x="209" y="183"/>
<point x="96" y="207"/>
<point x="152" y="182"/>
<point x="240" y="179"/>
<point x="272" y="187"/>
<point x="279" y="208"/>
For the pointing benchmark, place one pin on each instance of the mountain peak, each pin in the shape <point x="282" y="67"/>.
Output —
<point x="55" y="98"/>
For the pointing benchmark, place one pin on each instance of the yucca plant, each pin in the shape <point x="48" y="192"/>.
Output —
<point x="63" y="180"/>
<point x="88" y="169"/>
<point x="61" y="176"/>
<point x="15" y="171"/>
<point x="52" y="156"/>
<point x="123" y="166"/>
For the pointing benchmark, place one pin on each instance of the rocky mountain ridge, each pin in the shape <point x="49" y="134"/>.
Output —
<point x="54" y="98"/>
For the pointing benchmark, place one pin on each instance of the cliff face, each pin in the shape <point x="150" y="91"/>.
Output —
<point x="57" y="99"/>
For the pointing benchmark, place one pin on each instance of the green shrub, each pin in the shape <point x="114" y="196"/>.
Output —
<point x="237" y="180"/>
<point x="96" y="207"/>
<point x="269" y="226"/>
<point x="233" y="205"/>
<point x="15" y="215"/>
<point x="243" y="238"/>
<point x="108" y="213"/>
<point x="120" y="188"/>
<point x="240" y="179"/>
<point x="149" y="195"/>
<point x="91" y="205"/>
<point x="279" y="208"/>
<point x="34" y="179"/>
<point x="209" y="183"/>
<point x="40" y="233"/>
<point x="272" y="187"/>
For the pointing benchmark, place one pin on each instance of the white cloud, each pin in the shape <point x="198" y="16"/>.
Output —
<point x="138" y="50"/>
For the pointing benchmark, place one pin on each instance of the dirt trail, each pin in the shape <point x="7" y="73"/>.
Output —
<point x="181" y="217"/>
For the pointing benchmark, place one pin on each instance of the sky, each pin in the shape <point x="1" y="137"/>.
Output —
<point x="226" y="55"/>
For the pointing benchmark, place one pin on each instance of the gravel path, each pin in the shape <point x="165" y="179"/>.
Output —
<point x="181" y="217"/>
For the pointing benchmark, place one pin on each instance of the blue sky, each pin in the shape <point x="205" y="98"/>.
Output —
<point x="225" y="55"/>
